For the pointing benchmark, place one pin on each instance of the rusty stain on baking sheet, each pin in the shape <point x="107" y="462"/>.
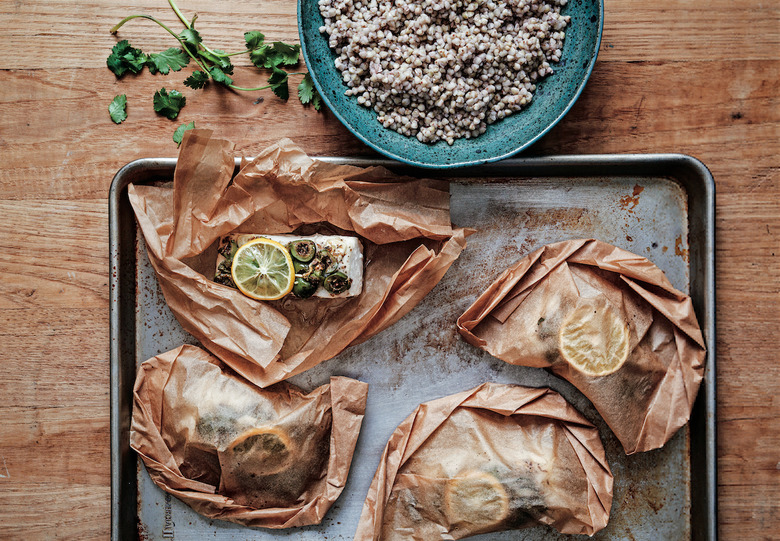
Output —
<point x="142" y="533"/>
<point x="680" y="249"/>
<point x="560" y="216"/>
<point x="629" y="202"/>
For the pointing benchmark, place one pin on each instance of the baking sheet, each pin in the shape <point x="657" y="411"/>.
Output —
<point x="659" y="206"/>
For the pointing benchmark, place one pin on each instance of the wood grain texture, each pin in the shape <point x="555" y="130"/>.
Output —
<point x="701" y="78"/>
<point x="51" y="34"/>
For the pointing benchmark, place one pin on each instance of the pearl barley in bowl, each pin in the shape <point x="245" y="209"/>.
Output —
<point x="448" y="83"/>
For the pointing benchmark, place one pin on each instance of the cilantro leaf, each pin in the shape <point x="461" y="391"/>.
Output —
<point x="178" y="135"/>
<point x="276" y="54"/>
<point x="306" y="89"/>
<point x="278" y="82"/>
<point x="308" y="93"/>
<point x="261" y="57"/>
<point x="169" y="104"/>
<point x="114" y="61"/>
<point x="281" y="90"/>
<point x="289" y="54"/>
<point x="197" y="80"/>
<point x="124" y="58"/>
<point x="118" y="109"/>
<point x="219" y="76"/>
<point x="278" y="76"/>
<point x="191" y="39"/>
<point x="254" y="39"/>
<point x="171" y="59"/>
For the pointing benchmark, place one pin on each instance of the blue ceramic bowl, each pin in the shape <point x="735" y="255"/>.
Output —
<point x="553" y="98"/>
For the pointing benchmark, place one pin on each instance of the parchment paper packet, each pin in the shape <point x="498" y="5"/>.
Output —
<point x="273" y="457"/>
<point x="403" y="224"/>
<point x="497" y="457"/>
<point x="520" y="318"/>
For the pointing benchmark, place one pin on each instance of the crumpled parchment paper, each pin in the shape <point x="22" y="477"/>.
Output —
<point x="403" y="224"/>
<point x="544" y="460"/>
<point x="190" y="414"/>
<point x="518" y="319"/>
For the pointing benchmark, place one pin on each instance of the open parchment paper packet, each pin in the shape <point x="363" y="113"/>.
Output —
<point x="273" y="457"/>
<point x="497" y="457"/>
<point x="520" y="316"/>
<point x="403" y="224"/>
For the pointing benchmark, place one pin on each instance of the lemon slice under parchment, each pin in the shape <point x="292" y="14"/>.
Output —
<point x="264" y="450"/>
<point x="476" y="498"/>
<point x="594" y="339"/>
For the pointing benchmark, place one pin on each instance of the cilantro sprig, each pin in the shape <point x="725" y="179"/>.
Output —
<point x="214" y="65"/>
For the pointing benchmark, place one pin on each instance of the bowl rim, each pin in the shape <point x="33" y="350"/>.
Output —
<point x="463" y="163"/>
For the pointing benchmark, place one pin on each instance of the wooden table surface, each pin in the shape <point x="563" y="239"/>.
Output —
<point x="701" y="78"/>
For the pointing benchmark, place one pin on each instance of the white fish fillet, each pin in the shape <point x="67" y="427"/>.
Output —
<point x="347" y="252"/>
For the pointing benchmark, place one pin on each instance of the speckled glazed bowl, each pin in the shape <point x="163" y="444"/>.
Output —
<point x="553" y="98"/>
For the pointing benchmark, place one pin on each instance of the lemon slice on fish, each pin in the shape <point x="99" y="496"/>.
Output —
<point x="263" y="269"/>
<point x="594" y="339"/>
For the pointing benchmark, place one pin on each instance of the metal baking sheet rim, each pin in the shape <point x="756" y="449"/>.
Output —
<point x="693" y="175"/>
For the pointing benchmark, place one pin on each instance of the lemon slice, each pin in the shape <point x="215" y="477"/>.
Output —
<point x="594" y="339"/>
<point x="263" y="451"/>
<point x="263" y="269"/>
<point x="476" y="498"/>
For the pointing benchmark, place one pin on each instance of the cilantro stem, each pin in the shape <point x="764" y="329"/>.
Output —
<point x="187" y="24"/>
<point x="234" y="87"/>
<point x="233" y="54"/>
<point x="263" y="87"/>
<point x="171" y="32"/>
<point x="179" y="14"/>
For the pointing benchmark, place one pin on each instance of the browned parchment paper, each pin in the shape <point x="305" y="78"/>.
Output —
<point x="548" y="459"/>
<point x="189" y="414"/>
<point x="517" y="319"/>
<point x="404" y="225"/>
